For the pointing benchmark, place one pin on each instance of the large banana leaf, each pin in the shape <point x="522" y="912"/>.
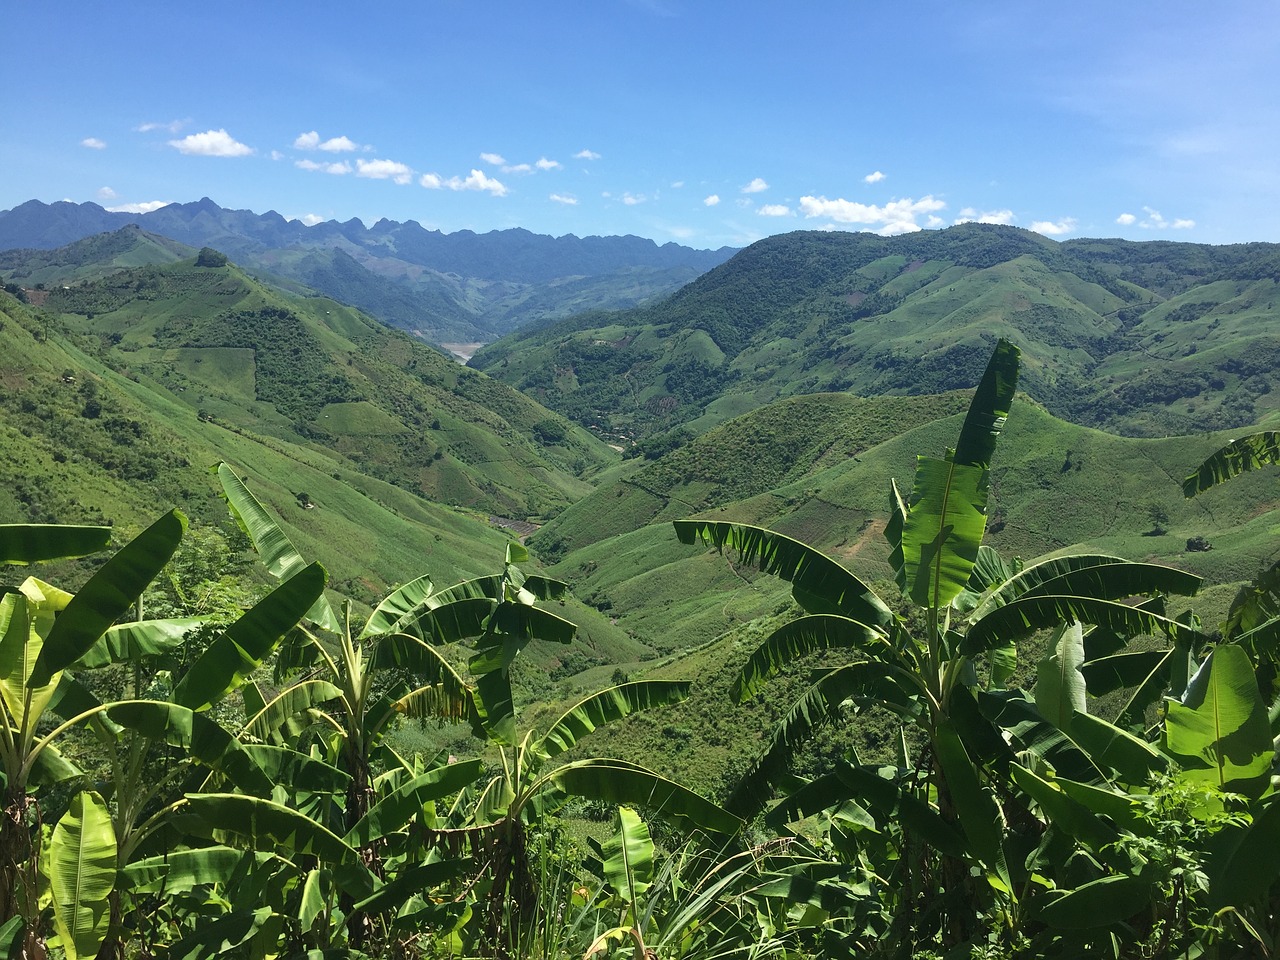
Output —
<point x="1237" y="457"/>
<point x="298" y="772"/>
<point x="1022" y="617"/>
<point x="242" y="933"/>
<point x="606" y="706"/>
<point x="1255" y="604"/>
<point x="392" y="612"/>
<point x="1114" y="581"/>
<point x="818" y="583"/>
<point x="265" y="822"/>
<point x="108" y="595"/>
<point x="178" y="871"/>
<point x="615" y="781"/>
<point x="279" y="555"/>
<point x="1243" y="869"/>
<point x="1219" y="731"/>
<point x="628" y="857"/>
<point x="266" y="723"/>
<point x="127" y="642"/>
<point x="1031" y="576"/>
<point x="989" y="408"/>
<point x="1068" y="814"/>
<point x="798" y="638"/>
<point x="1060" y="684"/>
<point x="394" y="811"/>
<point x="237" y="652"/>
<point x="1098" y="903"/>
<point x="22" y="543"/>
<point x="946" y="518"/>
<point x="1107" y="745"/>
<point x="204" y="740"/>
<point x="82" y="873"/>
<point x="21" y="615"/>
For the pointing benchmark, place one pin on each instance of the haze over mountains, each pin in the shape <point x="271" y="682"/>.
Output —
<point x="459" y="287"/>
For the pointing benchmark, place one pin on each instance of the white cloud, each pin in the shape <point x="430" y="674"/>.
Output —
<point x="494" y="159"/>
<point x="561" y="198"/>
<point x="586" y="155"/>
<point x="712" y="200"/>
<point x="971" y="215"/>
<point x="1054" y="229"/>
<point x="1154" y="220"/>
<point x="631" y="199"/>
<point x="677" y="184"/>
<point x="518" y="168"/>
<point x="277" y="155"/>
<point x="384" y="170"/>
<point x="337" y="169"/>
<point x="477" y="180"/>
<point x="211" y="143"/>
<point x="339" y="145"/>
<point x="774" y="210"/>
<point x="756" y="186"/>
<point x="874" y="177"/>
<point x="309" y="219"/>
<point x="312" y="141"/>
<point x="545" y="164"/>
<point x="173" y="126"/>
<point x="106" y="193"/>
<point x="93" y="143"/>
<point x="146" y="207"/>
<point x="895" y="217"/>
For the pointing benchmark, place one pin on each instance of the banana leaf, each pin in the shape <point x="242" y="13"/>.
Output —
<point x="127" y="642"/>
<point x="81" y="867"/>
<point x="23" y="543"/>
<point x="1237" y="457"/>
<point x="818" y="583"/>
<point x="628" y="857"/>
<point x="108" y="595"/>
<point x="798" y="638"/>
<point x="604" y="707"/>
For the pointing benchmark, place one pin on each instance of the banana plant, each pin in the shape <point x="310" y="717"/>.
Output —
<point x="975" y="610"/>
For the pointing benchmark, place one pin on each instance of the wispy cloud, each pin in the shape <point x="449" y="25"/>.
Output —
<point x="895" y="217"/>
<point x="1054" y="228"/>
<point x="106" y="193"/>
<point x="145" y="207"/>
<point x="756" y="186"/>
<point x="774" y="210"/>
<point x="93" y="143"/>
<point x="874" y="177"/>
<point x="173" y="126"/>
<point x="337" y="169"/>
<point x="384" y="170"/>
<point x="973" y="215"/>
<point x="476" y="180"/>
<point x="545" y="164"/>
<point x="567" y="200"/>
<point x="211" y="143"/>
<point x="712" y="200"/>
<point x="632" y="199"/>
<point x="586" y="155"/>
<point x="494" y="159"/>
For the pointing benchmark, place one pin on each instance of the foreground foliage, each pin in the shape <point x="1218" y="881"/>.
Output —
<point x="242" y="797"/>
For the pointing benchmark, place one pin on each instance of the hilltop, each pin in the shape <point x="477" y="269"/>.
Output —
<point x="1148" y="339"/>
<point x="458" y="287"/>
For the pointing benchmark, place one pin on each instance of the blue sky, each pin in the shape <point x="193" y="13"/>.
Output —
<point x="706" y="123"/>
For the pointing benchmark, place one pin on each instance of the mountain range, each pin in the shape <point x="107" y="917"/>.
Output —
<point x="459" y="287"/>
<point x="1147" y="339"/>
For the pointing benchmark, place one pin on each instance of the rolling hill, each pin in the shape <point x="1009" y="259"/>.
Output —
<point x="1142" y="339"/>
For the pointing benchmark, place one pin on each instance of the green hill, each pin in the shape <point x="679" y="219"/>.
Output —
<point x="1138" y="339"/>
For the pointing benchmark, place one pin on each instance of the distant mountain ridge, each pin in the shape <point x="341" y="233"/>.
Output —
<point x="459" y="286"/>
<point x="1142" y="338"/>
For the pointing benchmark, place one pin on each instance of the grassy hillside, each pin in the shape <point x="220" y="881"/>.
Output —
<point x="1055" y="485"/>
<point x="308" y="370"/>
<point x="1141" y="341"/>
